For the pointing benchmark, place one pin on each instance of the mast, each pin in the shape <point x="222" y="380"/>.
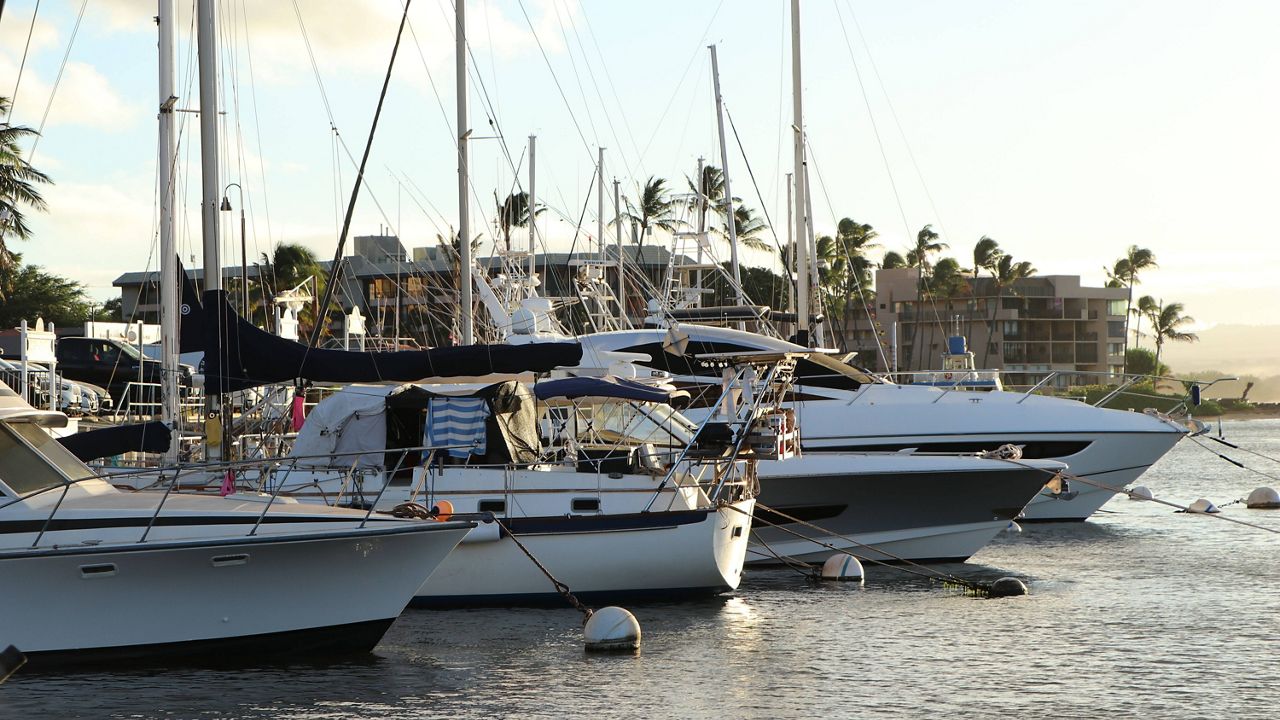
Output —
<point x="730" y="220"/>
<point x="600" y="204"/>
<point x="622" y="279"/>
<point x="819" y="330"/>
<point x="208" y="59"/>
<point x="464" y="205"/>
<point x="790" y="260"/>
<point x="169" y="311"/>
<point x="797" y="126"/>
<point x="533" y="208"/>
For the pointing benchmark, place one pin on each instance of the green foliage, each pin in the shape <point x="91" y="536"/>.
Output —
<point x="1141" y="361"/>
<point x="18" y="190"/>
<point x="35" y="293"/>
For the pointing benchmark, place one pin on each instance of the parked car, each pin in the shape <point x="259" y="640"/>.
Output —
<point x="113" y="365"/>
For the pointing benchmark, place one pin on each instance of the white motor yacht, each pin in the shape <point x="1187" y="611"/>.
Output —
<point x="842" y="409"/>
<point x="93" y="574"/>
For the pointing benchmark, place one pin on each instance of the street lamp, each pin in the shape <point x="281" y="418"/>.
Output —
<point x="244" y="267"/>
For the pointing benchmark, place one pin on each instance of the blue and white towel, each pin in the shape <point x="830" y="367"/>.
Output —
<point x="458" y="423"/>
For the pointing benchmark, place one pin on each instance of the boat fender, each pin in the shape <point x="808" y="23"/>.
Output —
<point x="442" y="510"/>
<point x="845" y="568"/>
<point x="1263" y="498"/>
<point x="612" y="629"/>
<point x="1141" y="492"/>
<point x="1007" y="587"/>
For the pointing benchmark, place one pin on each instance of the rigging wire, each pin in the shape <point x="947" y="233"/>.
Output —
<point x="53" y="92"/>
<point x="26" y="48"/>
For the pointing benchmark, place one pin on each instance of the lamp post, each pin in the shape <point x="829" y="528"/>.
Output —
<point x="244" y="267"/>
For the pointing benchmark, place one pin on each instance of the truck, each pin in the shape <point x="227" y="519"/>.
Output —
<point x="113" y="364"/>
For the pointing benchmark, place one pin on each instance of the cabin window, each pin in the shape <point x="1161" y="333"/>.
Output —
<point x="583" y="505"/>
<point x="493" y="506"/>
<point x="30" y="459"/>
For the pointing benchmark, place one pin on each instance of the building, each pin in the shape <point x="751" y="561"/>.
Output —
<point x="412" y="295"/>
<point x="1036" y="326"/>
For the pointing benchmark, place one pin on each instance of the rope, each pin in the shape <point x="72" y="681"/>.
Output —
<point x="1243" y="449"/>
<point x="1237" y="463"/>
<point x="907" y="566"/>
<point x="13" y="97"/>
<point x="1183" y="508"/>
<point x="559" y="586"/>
<point x="799" y="566"/>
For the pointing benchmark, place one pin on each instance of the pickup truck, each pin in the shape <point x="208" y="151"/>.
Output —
<point x="113" y="365"/>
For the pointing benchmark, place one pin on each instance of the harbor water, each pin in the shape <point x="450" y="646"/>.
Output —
<point x="1140" y="612"/>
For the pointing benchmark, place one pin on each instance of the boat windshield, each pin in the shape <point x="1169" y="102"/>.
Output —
<point x="32" y="460"/>
<point x="656" y="423"/>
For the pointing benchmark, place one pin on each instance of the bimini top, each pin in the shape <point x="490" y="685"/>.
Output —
<point x="604" y="387"/>
<point x="13" y="407"/>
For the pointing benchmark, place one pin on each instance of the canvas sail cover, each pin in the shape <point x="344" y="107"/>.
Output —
<point x="247" y="357"/>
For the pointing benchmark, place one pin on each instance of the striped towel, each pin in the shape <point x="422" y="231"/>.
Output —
<point x="457" y="422"/>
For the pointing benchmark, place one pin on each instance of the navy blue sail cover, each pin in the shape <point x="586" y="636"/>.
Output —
<point x="151" y="437"/>
<point x="248" y="357"/>
<point x="611" y="387"/>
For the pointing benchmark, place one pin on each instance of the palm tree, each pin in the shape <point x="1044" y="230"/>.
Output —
<point x="1006" y="273"/>
<point x="1125" y="274"/>
<point x="1146" y="304"/>
<point x="1165" y="323"/>
<point x="892" y="260"/>
<point x="927" y="243"/>
<point x="749" y="228"/>
<point x="986" y="253"/>
<point x="514" y="212"/>
<point x="655" y="208"/>
<point x="18" y="181"/>
<point x="289" y="265"/>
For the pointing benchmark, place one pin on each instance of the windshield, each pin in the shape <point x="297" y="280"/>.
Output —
<point x="32" y="460"/>
<point x="659" y="424"/>
<point x="129" y="350"/>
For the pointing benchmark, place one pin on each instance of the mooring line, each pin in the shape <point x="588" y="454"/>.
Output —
<point x="799" y="566"/>
<point x="561" y="588"/>
<point x="1237" y="463"/>
<point x="1241" y="448"/>
<point x="907" y="566"/>
<point x="1076" y="478"/>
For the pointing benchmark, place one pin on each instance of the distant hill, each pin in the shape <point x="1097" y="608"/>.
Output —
<point x="1238" y="350"/>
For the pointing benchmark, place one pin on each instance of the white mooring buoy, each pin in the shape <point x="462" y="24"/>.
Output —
<point x="842" y="567"/>
<point x="1012" y="528"/>
<point x="612" y="629"/>
<point x="1007" y="587"/>
<point x="1141" y="492"/>
<point x="1263" y="498"/>
<point x="1202" y="505"/>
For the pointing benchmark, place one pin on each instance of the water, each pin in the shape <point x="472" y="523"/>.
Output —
<point x="1139" y="612"/>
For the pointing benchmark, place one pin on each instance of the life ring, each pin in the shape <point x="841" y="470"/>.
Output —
<point x="946" y="376"/>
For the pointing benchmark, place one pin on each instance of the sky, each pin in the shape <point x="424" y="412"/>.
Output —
<point x="1066" y="131"/>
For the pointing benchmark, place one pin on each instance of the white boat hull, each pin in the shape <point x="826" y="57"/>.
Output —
<point x="650" y="556"/>
<point x="234" y="597"/>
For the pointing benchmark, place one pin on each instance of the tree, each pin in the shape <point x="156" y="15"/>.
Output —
<point x="289" y="265"/>
<point x="986" y="253"/>
<point x="18" y="190"/>
<point x="892" y="260"/>
<point x="1006" y="273"/>
<point x="749" y="227"/>
<point x="654" y="208"/>
<point x="36" y="293"/>
<point x="1141" y="361"/>
<point x="1166" y="321"/>
<point x="513" y="212"/>
<point x="927" y="243"/>
<point x="1125" y="274"/>
<point x="1146" y="304"/>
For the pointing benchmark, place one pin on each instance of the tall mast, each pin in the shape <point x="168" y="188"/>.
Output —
<point x="533" y="207"/>
<point x="206" y="36"/>
<point x="797" y="122"/>
<point x="464" y="205"/>
<point x="169" y="344"/>
<point x="790" y="260"/>
<point x="819" y="330"/>
<point x="600" y="204"/>
<point x="724" y="173"/>
<point x="622" y="274"/>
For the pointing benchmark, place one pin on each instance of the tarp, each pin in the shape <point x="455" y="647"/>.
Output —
<point x="602" y="387"/>
<point x="153" y="437"/>
<point x="355" y="420"/>
<point x="249" y="357"/>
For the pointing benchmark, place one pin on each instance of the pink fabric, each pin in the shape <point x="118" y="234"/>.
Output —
<point x="298" y="412"/>
<point x="228" y="484"/>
